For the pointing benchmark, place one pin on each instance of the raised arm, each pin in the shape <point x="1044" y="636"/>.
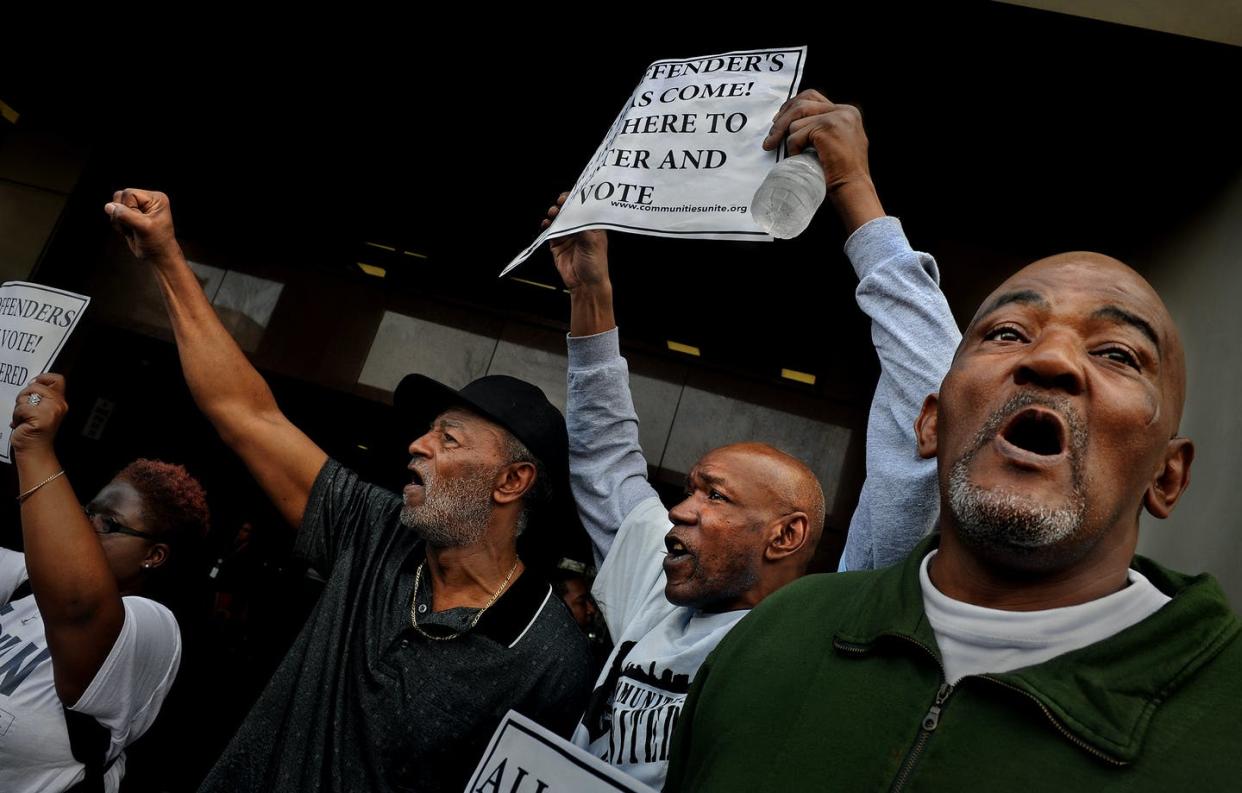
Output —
<point x="72" y="582"/>
<point x="911" y="326"/>
<point x="229" y="391"/>
<point x="608" y="472"/>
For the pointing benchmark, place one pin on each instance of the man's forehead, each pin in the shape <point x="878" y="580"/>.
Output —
<point x="1101" y="287"/>
<point x="465" y="419"/>
<point x="712" y="467"/>
<point x="706" y="471"/>
<point x="730" y="465"/>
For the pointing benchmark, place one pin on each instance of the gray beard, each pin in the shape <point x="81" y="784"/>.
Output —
<point x="454" y="512"/>
<point x="1004" y="520"/>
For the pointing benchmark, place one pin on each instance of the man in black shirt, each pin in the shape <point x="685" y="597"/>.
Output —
<point x="427" y="631"/>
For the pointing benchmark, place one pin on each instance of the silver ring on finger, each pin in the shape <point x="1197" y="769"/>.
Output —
<point x="34" y="399"/>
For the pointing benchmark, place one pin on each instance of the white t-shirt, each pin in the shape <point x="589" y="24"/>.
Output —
<point x="630" y="723"/>
<point x="975" y="640"/>
<point x="125" y="696"/>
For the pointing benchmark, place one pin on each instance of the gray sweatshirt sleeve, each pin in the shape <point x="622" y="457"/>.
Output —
<point x="607" y="471"/>
<point x="915" y="337"/>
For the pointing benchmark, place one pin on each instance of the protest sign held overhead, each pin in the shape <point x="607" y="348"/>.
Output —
<point x="35" y="322"/>
<point x="685" y="155"/>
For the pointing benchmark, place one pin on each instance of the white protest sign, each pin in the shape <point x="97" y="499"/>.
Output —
<point x="35" y="321"/>
<point x="523" y="757"/>
<point x="685" y="155"/>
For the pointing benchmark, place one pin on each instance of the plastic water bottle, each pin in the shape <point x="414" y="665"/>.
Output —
<point x="786" y="201"/>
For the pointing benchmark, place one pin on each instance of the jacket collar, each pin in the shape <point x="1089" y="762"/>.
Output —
<point x="1103" y="695"/>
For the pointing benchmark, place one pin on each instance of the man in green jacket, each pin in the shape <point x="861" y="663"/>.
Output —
<point x="1024" y="646"/>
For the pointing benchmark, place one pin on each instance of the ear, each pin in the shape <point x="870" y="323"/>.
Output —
<point x="1172" y="479"/>
<point x="925" y="426"/>
<point x="787" y="537"/>
<point x="513" y="481"/>
<point x="157" y="554"/>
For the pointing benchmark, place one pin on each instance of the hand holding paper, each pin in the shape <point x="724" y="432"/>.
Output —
<point x="144" y="218"/>
<point x="582" y="258"/>
<point x="35" y="323"/>
<point x="582" y="261"/>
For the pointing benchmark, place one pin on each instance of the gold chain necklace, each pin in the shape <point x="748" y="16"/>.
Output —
<point x="418" y="576"/>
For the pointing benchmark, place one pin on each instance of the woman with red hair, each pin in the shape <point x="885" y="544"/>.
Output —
<point x="85" y="661"/>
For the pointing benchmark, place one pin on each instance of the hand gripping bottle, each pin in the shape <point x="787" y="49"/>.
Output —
<point x="786" y="201"/>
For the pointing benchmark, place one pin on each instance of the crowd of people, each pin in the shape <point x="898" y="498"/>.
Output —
<point x="990" y="624"/>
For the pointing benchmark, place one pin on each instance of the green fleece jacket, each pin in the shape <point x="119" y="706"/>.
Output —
<point x="835" y="683"/>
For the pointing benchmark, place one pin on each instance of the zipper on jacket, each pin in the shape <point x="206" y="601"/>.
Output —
<point x="1074" y="739"/>
<point x="930" y="722"/>
<point x="933" y="716"/>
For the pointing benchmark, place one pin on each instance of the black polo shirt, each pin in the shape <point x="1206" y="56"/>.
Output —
<point x="364" y="702"/>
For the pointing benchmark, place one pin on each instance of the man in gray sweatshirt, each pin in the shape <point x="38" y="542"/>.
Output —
<point x="673" y="583"/>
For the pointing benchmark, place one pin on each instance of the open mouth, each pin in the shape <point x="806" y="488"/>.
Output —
<point x="416" y="478"/>
<point x="1036" y="430"/>
<point x="677" y="550"/>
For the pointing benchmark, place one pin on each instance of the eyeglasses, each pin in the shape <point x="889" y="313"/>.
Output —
<point x="105" y="524"/>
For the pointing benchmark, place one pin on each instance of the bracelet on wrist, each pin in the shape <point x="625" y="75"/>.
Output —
<point x="22" y="498"/>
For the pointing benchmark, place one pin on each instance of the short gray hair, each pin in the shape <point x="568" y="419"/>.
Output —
<point x="541" y="490"/>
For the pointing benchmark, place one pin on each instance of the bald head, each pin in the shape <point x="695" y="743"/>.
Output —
<point x="748" y="525"/>
<point x="789" y="484"/>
